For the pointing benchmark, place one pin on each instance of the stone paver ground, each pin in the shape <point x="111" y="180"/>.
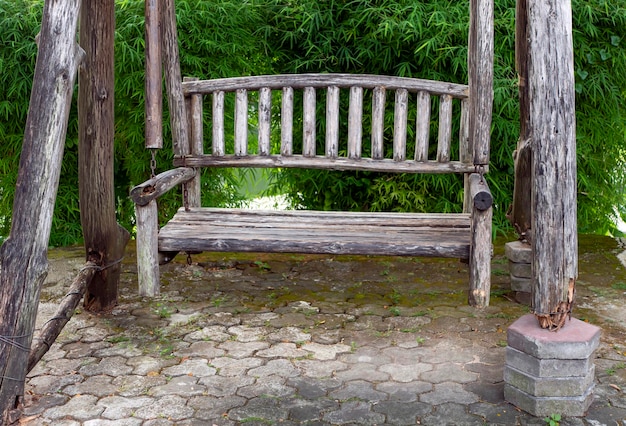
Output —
<point x="308" y="340"/>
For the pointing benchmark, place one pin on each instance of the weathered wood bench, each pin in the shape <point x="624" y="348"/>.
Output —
<point x="465" y="235"/>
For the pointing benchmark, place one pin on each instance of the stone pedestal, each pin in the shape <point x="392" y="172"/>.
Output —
<point x="548" y="372"/>
<point x="520" y="268"/>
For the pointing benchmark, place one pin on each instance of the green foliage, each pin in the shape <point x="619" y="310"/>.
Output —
<point x="216" y="40"/>
<point x="428" y="40"/>
<point x="222" y="38"/>
<point x="19" y="24"/>
<point x="553" y="420"/>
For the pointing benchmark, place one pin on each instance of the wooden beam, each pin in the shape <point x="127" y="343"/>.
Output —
<point x="480" y="70"/>
<point x="553" y="134"/>
<point x="152" y="189"/>
<point x="51" y="329"/>
<point x="173" y="79"/>
<point x="154" y="81"/>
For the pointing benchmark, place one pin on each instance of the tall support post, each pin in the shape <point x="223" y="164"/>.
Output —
<point x="553" y="133"/>
<point x="147" y="217"/>
<point x="520" y="212"/>
<point x="154" y="84"/>
<point x="105" y="240"/>
<point x="480" y="70"/>
<point x="173" y="79"/>
<point x="480" y="76"/>
<point x="23" y="256"/>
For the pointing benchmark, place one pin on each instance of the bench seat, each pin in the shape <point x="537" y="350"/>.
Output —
<point x="328" y="232"/>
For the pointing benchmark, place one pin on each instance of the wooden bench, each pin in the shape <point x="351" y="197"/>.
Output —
<point x="465" y="235"/>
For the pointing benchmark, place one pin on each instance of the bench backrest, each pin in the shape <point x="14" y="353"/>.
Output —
<point x="388" y="138"/>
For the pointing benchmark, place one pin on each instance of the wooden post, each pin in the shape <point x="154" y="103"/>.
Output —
<point x="23" y="256"/>
<point x="480" y="76"/>
<point x="51" y="329"/>
<point x="105" y="241"/>
<point x="154" y="81"/>
<point x="520" y="213"/>
<point x="147" y="249"/>
<point x="480" y="247"/>
<point x="553" y="134"/>
<point x="173" y="79"/>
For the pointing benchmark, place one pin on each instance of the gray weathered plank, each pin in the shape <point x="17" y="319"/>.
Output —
<point x="286" y="122"/>
<point x="332" y="122"/>
<point x="265" y="115"/>
<point x="317" y="232"/>
<point x="300" y="81"/>
<point x="218" y="148"/>
<point x="355" y="122"/>
<point x="399" y="124"/>
<point x="308" y="126"/>
<point x="320" y="162"/>
<point x="422" y="132"/>
<point x="445" y="129"/>
<point x="378" y="122"/>
<point x="241" y="122"/>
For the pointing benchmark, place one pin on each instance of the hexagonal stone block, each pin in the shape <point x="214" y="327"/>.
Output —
<point x="547" y="367"/>
<point x="576" y="340"/>
<point x="518" y="252"/>
<point x="549" y="386"/>
<point x="575" y="406"/>
<point x="521" y="270"/>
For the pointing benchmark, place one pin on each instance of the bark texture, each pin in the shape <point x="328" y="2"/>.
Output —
<point x="105" y="240"/>
<point x="23" y="256"/>
<point x="553" y="135"/>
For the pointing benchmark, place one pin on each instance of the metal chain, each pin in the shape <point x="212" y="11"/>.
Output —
<point x="153" y="164"/>
<point x="185" y="197"/>
<point x="480" y="169"/>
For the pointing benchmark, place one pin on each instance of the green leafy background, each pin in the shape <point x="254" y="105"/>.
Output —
<point x="223" y="38"/>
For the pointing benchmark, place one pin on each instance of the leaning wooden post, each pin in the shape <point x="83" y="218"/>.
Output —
<point x="553" y="132"/>
<point x="23" y="256"/>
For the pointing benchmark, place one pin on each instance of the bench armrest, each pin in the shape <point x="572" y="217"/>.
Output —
<point x="479" y="192"/>
<point x="151" y="189"/>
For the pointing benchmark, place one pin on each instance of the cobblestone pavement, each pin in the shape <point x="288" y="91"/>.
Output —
<point x="307" y="340"/>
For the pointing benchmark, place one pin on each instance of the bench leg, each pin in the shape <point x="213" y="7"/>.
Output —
<point x="147" y="249"/>
<point x="480" y="258"/>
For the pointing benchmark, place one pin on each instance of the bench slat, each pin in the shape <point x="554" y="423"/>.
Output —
<point x="241" y="122"/>
<point x="308" y="126"/>
<point x="204" y="229"/>
<point x="218" y="124"/>
<point x="378" y="123"/>
<point x="422" y="126"/>
<point x="286" y="122"/>
<point x="400" y="122"/>
<point x="355" y="122"/>
<point x="332" y="122"/>
<point x="445" y="129"/>
<point x="265" y="116"/>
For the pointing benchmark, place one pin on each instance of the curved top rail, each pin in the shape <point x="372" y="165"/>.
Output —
<point x="299" y="81"/>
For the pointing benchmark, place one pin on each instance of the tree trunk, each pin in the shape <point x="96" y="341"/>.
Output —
<point x="23" y="256"/>
<point x="553" y="134"/>
<point x="105" y="240"/>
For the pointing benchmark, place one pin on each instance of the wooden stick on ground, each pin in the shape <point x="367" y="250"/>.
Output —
<point x="51" y="330"/>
